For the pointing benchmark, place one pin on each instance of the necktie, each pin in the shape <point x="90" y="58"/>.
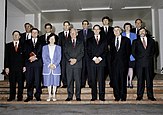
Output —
<point x="27" y="36"/>
<point x="106" y="30"/>
<point x="85" y="34"/>
<point x="144" y="43"/>
<point x="117" y="44"/>
<point x="66" y="35"/>
<point x="34" y="42"/>
<point x="73" y="43"/>
<point x="97" y="39"/>
<point x="16" y="47"/>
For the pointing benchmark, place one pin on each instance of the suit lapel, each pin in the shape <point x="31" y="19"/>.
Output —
<point x="121" y="44"/>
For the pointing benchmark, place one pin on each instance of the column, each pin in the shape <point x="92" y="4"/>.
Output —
<point x="2" y="35"/>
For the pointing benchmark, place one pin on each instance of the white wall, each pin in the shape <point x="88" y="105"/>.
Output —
<point x="15" y="21"/>
<point x="2" y="35"/>
<point x="160" y="12"/>
<point x="147" y="21"/>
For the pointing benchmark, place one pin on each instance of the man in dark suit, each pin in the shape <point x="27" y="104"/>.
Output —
<point x="96" y="49"/>
<point x="107" y="31"/>
<point x="48" y="30"/>
<point x="33" y="62"/>
<point x="64" y="36"/>
<point x="27" y="34"/>
<point x="74" y="52"/>
<point x="143" y="50"/>
<point x="120" y="50"/>
<point x="84" y="35"/>
<point x="14" y="66"/>
<point x="138" y="25"/>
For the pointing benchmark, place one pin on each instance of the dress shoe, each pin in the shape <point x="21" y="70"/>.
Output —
<point x="102" y="99"/>
<point x="123" y="99"/>
<point x="54" y="99"/>
<point x="19" y="99"/>
<point x="116" y="99"/>
<point x="139" y="98"/>
<point x="38" y="99"/>
<point x="93" y="99"/>
<point x="68" y="99"/>
<point x="28" y="99"/>
<point x="10" y="99"/>
<point x="78" y="99"/>
<point x="151" y="98"/>
<point x="48" y="99"/>
<point x="64" y="86"/>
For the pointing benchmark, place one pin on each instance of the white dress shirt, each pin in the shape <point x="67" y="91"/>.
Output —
<point x="119" y="38"/>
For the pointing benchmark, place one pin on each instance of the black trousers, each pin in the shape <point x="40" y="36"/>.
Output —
<point x="86" y="71"/>
<point x="63" y="71"/>
<point x="119" y="82"/>
<point x="145" y="74"/>
<point x="98" y="75"/>
<point x="33" y="79"/>
<point x="16" y="76"/>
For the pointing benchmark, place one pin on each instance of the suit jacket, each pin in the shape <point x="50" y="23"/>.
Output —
<point x="14" y="60"/>
<point x="62" y="39"/>
<point x="47" y="60"/>
<point x="29" y="47"/>
<point x="122" y="56"/>
<point x="43" y="40"/>
<point x="98" y="50"/>
<point x="77" y="52"/>
<point x="23" y="38"/>
<point x="143" y="57"/>
<point x="132" y="37"/>
<point x="82" y="36"/>
<point x="109" y="35"/>
<point x="133" y="30"/>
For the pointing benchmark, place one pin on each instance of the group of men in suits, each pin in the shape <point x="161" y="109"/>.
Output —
<point x="86" y="54"/>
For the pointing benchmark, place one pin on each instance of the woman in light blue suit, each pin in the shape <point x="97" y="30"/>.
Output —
<point x="131" y="36"/>
<point x="51" y="55"/>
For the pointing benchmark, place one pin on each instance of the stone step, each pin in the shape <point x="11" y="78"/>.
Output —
<point x="87" y="90"/>
<point x="155" y="83"/>
<point x="83" y="102"/>
<point x="87" y="96"/>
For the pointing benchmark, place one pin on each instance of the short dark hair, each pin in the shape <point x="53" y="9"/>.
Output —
<point x="85" y="21"/>
<point x="139" y="20"/>
<point x="127" y="24"/>
<point x="28" y="24"/>
<point x="106" y="17"/>
<point x="15" y="32"/>
<point x="97" y="26"/>
<point x="142" y="28"/>
<point x="34" y="29"/>
<point x="48" y="24"/>
<point x="52" y="34"/>
<point x="66" y="22"/>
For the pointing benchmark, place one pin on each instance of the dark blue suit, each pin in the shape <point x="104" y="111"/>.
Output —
<point x="85" y="68"/>
<point x="15" y="62"/>
<point x="97" y="70"/>
<point x="144" y="59"/>
<point x="33" y="69"/>
<point x="119" y="67"/>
